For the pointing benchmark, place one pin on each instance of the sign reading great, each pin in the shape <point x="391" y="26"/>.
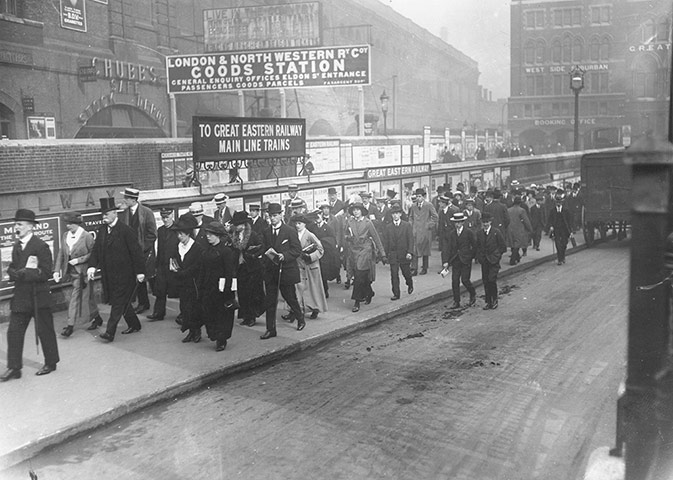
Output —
<point x="221" y="139"/>
<point x="293" y="68"/>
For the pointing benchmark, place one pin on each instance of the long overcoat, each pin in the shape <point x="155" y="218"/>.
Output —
<point x="30" y="280"/>
<point x="330" y="263"/>
<point x="120" y="258"/>
<point x="310" y="292"/>
<point x="364" y="245"/>
<point x="519" y="230"/>
<point x="186" y="281"/>
<point x="248" y="247"/>
<point x="287" y="243"/>
<point x="146" y="234"/>
<point x="423" y="221"/>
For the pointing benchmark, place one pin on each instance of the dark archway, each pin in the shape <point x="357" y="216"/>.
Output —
<point x="322" y="127"/>
<point x="121" y="121"/>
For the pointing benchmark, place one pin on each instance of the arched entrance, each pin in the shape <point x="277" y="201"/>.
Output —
<point x="121" y="121"/>
<point x="6" y="122"/>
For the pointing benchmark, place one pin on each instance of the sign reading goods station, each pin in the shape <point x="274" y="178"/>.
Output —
<point x="304" y="67"/>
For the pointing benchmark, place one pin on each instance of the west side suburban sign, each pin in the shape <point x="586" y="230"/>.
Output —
<point x="219" y="139"/>
<point x="259" y="70"/>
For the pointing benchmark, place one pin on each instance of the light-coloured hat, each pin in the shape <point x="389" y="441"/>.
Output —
<point x="196" y="208"/>
<point x="131" y="192"/>
<point x="220" y="198"/>
<point x="458" y="217"/>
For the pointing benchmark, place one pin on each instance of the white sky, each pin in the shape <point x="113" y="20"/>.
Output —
<point x="478" y="28"/>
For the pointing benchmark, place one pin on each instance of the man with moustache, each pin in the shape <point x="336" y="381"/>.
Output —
<point x="30" y="270"/>
<point x="119" y="256"/>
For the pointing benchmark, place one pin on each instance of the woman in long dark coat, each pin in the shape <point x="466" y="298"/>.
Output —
<point x="184" y="269"/>
<point x="248" y="247"/>
<point x="218" y="300"/>
<point x="330" y="262"/>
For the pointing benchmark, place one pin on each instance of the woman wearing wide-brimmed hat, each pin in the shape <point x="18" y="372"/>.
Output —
<point x="364" y="245"/>
<point x="218" y="270"/>
<point x="248" y="246"/>
<point x="184" y="269"/>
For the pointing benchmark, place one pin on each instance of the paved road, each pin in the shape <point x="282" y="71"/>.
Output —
<point x="523" y="392"/>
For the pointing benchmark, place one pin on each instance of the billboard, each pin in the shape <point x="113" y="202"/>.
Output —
<point x="262" y="27"/>
<point x="292" y="68"/>
<point x="221" y="139"/>
<point x="73" y="15"/>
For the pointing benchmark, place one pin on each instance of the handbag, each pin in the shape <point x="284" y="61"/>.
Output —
<point x="572" y="240"/>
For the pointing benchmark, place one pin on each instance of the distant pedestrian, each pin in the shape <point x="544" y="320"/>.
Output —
<point x="559" y="227"/>
<point x="117" y="253"/>
<point x="248" y="246"/>
<point x="223" y="212"/>
<point x="398" y="242"/>
<point x="537" y="220"/>
<point x="423" y="218"/>
<point x="257" y="221"/>
<point x="458" y="253"/>
<point x="29" y="269"/>
<point x="281" y="272"/>
<point x="72" y="262"/>
<point x="215" y="285"/>
<point x="490" y="247"/>
<point x="141" y="220"/>
<point x="330" y="262"/>
<point x="518" y="230"/>
<point x="202" y="220"/>
<point x="184" y="267"/>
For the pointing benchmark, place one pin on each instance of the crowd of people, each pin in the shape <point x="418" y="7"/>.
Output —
<point x="238" y="263"/>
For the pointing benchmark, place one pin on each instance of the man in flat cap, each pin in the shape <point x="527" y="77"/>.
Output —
<point x="30" y="270"/>
<point x="223" y="213"/>
<point x="141" y="220"/>
<point x="72" y="262"/>
<point x="119" y="256"/>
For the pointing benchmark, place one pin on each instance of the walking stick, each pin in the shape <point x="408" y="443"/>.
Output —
<point x="280" y="272"/>
<point x="128" y="304"/>
<point x="37" y="338"/>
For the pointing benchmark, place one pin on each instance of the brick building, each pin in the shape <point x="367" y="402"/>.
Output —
<point x="96" y="68"/>
<point x="624" y="46"/>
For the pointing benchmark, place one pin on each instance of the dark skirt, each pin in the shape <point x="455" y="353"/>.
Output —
<point x="218" y="319"/>
<point x="250" y="294"/>
<point x="362" y="286"/>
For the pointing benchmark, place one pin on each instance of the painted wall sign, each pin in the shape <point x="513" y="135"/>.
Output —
<point x="73" y="15"/>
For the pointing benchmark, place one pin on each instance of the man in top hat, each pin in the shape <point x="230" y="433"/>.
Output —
<point x="423" y="218"/>
<point x="490" y="247"/>
<point x="202" y="220"/>
<point x="257" y="221"/>
<point x="141" y="220"/>
<point x="335" y="204"/>
<point x="117" y="253"/>
<point x="222" y="213"/>
<point x="30" y="270"/>
<point x="559" y="222"/>
<point x="167" y="248"/>
<point x="281" y="272"/>
<point x="391" y="194"/>
<point x="398" y="242"/>
<point x="71" y="264"/>
<point x="458" y="252"/>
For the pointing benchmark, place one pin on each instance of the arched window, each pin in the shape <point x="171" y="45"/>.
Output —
<point x="664" y="30"/>
<point x="540" y="48"/>
<point x="567" y="50"/>
<point x="578" y="45"/>
<point x="594" y="49"/>
<point x="645" y="77"/>
<point x="649" y="31"/>
<point x="604" y="52"/>
<point x="530" y="52"/>
<point x="556" y="51"/>
<point x="6" y="122"/>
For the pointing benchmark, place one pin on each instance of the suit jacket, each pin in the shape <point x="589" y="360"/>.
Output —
<point x="224" y="216"/>
<point x="398" y="242"/>
<point x="337" y="207"/>
<point x="29" y="280"/>
<point x="461" y="247"/>
<point x="537" y="217"/>
<point x="560" y="221"/>
<point x="287" y="243"/>
<point x="259" y="225"/>
<point x="200" y="235"/>
<point x="146" y="234"/>
<point x="120" y="258"/>
<point x="490" y="247"/>
<point x="81" y="251"/>
<point x="500" y="215"/>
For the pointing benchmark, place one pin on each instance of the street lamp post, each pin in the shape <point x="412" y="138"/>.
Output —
<point x="384" y="109"/>
<point x="576" y="85"/>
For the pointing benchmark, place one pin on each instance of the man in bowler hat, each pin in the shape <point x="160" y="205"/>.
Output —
<point x="457" y="252"/>
<point x="490" y="247"/>
<point x="281" y="272"/>
<point x="398" y="242"/>
<point x="119" y="256"/>
<point x="30" y="269"/>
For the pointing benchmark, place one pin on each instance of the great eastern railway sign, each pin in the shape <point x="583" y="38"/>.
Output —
<point x="228" y="142"/>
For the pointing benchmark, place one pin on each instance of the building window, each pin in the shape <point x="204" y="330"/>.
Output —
<point x="664" y="30"/>
<point x="537" y="110"/>
<point x="540" y="52"/>
<point x="539" y="85"/>
<point x="556" y="51"/>
<point x="604" y="53"/>
<point x="577" y="49"/>
<point x="530" y="52"/>
<point x="649" y="31"/>
<point x="558" y="18"/>
<point x="527" y="110"/>
<point x="600" y="15"/>
<point x="567" y="50"/>
<point x="594" y="49"/>
<point x="534" y="19"/>
<point x="9" y="7"/>
<point x="603" y="108"/>
<point x="555" y="110"/>
<point x="530" y="85"/>
<point x="577" y="16"/>
<point x="6" y="122"/>
<point x="565" y="109"/>
<point x="559" y="83"/>
<point x="644" y="77"/>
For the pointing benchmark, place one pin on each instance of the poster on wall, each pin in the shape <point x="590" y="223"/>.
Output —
<point x="271" y="198"/>
<point x="488" y="180"/>
<point x="504" y="177"/>
<point x="325" y="155"/>
<point x="350" y="190"/>
<point x="368" y="156"/>
<point x="73" y="15"/>
<point x="46" y="229"/>
<point x="41" y="127"/>
<point x="477" y="179"/>
<point x="319" y="198"/>
<point x="406" y="154"/>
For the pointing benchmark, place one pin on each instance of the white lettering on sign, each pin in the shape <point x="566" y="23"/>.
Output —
<point x="534" y="69"/>
<point x="650" y="48"/>
<point x="551" y="122"/>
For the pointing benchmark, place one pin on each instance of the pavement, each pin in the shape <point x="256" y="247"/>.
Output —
<point x="97" y="383"/>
